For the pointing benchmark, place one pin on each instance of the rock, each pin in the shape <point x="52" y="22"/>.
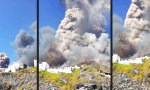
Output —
<point x="64" y="81"/>
<point x="123" y="82"/>
<point x="18" y="80"/>
<point x="88" y="86"/>
<point x="136" y="71"/>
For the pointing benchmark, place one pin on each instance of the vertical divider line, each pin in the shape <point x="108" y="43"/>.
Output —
<point x="37" y="44"/>
<point x="111" y="29"/>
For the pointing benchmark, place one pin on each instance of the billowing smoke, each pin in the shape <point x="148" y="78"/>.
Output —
<point x="54" y="57"/>
<point x="4" y="60"/>
<point x="121" y="44"/>
<point x="25" y="47"/>
<point x="48" y="47"/>
<point x="80" y="36"/>
<point x="135" y="32"/>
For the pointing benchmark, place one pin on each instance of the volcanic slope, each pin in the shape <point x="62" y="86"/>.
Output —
<point x="20" y="80"/>
<point x="131" y="76"/>
<point x="88" y="77"/>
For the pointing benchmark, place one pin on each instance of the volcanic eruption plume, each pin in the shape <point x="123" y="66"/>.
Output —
<point x="4" y="60"/>
<point x="80" y="36"/>
<point x="135" y="32"/>
<point x="25" y="46"/>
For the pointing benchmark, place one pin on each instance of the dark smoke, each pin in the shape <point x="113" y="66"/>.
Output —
<point x="121" y="44"/>
<point x="48" y="47"/>
<point x="54" y="57"/>
<point x="4" y="60"/>
<point x="25" y="47"/>
<point x="125" y="48"/>
<point x="23" y="39"/>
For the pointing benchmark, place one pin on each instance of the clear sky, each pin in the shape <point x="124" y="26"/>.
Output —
<point x="120" y="7"/>
<point x="50" y="13"/>
<point x="14" y="15"/>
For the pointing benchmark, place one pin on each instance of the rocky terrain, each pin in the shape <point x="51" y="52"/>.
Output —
<point x="88" y="77"/>
<point x="132" y="76"/>
<point x="20" y="80"/>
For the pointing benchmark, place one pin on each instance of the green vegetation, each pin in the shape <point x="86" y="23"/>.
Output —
<point x="60" y="78"/>
<point x="70" y="81"/>
<point x="137" y="71"/>
<point x="29" y="69"/>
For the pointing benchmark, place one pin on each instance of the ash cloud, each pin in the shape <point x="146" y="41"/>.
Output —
<point x="48" y="47"/>
<point x="25" y="47"/>
<point x="83" y="28"/>
<point x="4" y="60"/>
<point x="80" y="36"/>
<point x="136" y="31"/>
<point x="121" y="44"/>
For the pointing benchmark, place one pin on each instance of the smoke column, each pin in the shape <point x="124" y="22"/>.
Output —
<point x="25" y="46"/>
<point x="48" y="47"/>
<point x="136" y="31"/>
<point x="80" y="36"/>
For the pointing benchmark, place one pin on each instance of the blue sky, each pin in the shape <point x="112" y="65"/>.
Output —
<point x="120" y="7"/>
<point x="14" y="15"/>
<point x="51" y="13"/>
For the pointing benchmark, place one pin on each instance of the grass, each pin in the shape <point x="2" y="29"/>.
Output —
<point x="57" y="78"/>
<point x="136" y="71"/>
<point x="51" y="77"/>
<point x="70" y="81"/>
<point x="29" y="69"/>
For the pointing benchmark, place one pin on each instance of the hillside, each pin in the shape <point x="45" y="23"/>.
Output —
<point x="88" y="77"/>
<point x="132" y="76"/>
<point x="20" y="80"/>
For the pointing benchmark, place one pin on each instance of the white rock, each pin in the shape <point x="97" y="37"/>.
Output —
<point x="116" y="58"/>
<point x="43" y="66"/>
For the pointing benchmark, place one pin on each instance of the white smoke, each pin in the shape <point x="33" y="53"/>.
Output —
<point x="94" y="49"/>
<point x="80" y="36"/>
<point x="81" y="32"/>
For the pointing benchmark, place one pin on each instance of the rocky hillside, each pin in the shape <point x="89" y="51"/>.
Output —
<point x="88" y="77"/>
<point x="131" y="76"/>
<point x="20" y="80"/>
